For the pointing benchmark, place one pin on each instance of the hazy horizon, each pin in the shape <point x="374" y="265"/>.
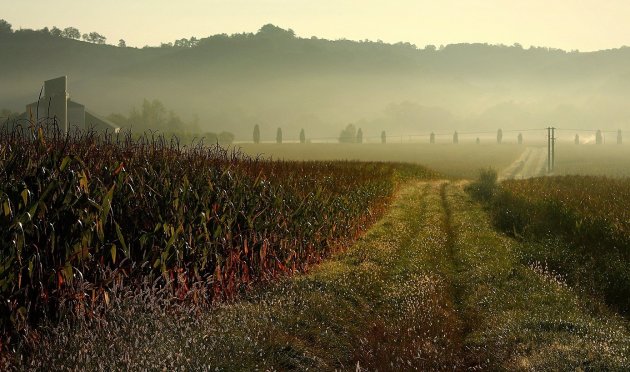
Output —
<point x="585" y="26"/>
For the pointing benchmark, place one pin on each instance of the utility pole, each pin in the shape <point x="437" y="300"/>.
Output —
<point x="553" y="148"/>
<point x="548" y="149"/>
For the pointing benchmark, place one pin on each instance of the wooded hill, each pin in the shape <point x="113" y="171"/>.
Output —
<point x="275" y="79"/>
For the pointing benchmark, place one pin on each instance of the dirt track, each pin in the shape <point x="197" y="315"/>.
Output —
<point x="531" y="163"/>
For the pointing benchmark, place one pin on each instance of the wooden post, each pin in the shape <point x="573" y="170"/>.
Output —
<point x="553" y="148"/>
<point x="548" y="149"/>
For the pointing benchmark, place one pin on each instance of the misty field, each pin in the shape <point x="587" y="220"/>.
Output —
<point x="610" y="160"/>
<point x="455" y="161"/>
<point x="461" y="161"/>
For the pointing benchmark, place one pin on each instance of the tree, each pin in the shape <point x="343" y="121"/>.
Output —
<point x="359" y="136"/>
<point x="181" y="43"/>
<point x="256" y="134"/>
<point x="71" y="33"/>
<point x="477" y="141"/>
<point x="598" y="137"/>
<point x="275" y="32"/>
<point x="119" y="119"/>
<point x="94" y="37"/>
<point x="186" y="43"/>
<point x="348" y="135"/>
<point x="576" y="140"/>
<point x="122" y="43"/>
<point x="226" y="138"/>
<point x="520" y="138"/>
<point x="383" y="137"/>
<point x="499" y="136"/>
<point x="302" y="136"/>
<point x="56" y="32"/>
<point x="97" y="38"/>
<point x="5" y="27"/>
<point x="279" y="136"/>
<point x="619" y="139"/>
<point x="455" y="138"/>
<point x="432" y="138"/>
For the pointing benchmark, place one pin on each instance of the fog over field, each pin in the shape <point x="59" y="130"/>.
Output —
<point x="276" y="79"/>
<point x="321" y="185"/>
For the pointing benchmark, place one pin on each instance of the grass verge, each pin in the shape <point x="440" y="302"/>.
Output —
<point x="524" y="316"/>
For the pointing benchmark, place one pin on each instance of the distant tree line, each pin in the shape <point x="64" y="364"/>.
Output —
<point x="153" y="115"/>
<point x="67" y="33"/>
<point x="182" y="43"/>
<point x="277" y="35"/>
<point x="92" y="37"/>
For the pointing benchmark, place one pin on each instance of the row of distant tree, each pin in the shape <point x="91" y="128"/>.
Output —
<point x="93" y="37"/>
<point x="350" y="134"/>
<point x="68" y="33"/>
<point x="268" y="31"/>
<point x="599" y="138"/>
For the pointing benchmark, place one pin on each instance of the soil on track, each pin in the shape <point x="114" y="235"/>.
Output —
<point x="531" y="163"/>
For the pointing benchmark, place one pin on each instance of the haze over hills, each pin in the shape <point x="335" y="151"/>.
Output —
<point x="275" y="79"/>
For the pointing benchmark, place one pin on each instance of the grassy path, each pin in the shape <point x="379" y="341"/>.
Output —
<point x="531" y="163"/>
<point x="430" y="286"/>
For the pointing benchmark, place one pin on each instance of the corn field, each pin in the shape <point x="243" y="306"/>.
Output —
<point x="84" y="212"/>
<point x="584" y="224"/>
<point x="590" y="210"/>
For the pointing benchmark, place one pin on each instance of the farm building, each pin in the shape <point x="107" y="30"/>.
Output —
<point x="55" y="103"/>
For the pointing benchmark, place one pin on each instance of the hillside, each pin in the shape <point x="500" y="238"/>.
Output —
<point x="278" y="80"/>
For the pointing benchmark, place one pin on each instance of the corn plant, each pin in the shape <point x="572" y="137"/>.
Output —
<point x="82" y="213"/>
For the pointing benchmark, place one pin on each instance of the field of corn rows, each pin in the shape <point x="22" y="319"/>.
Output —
<point x="592" y="210"/>
<point x="591" y="215"/>
<point x="82" y="213"/>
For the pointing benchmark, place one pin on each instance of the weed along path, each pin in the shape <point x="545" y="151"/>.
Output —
<point x="430" y="286"/>
<point x="531" y="163"/>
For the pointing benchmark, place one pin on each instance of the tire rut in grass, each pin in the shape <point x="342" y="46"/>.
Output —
<point x="467" y="316"/>
<point x="417" y="327"/>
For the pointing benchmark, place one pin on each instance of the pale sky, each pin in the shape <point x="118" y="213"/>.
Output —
<point x="569" y="24"/>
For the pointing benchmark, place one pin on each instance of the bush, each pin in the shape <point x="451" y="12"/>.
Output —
<point x="485" y="187"/>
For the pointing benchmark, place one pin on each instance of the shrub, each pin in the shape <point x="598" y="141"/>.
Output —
<point x="485" y="186"/>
